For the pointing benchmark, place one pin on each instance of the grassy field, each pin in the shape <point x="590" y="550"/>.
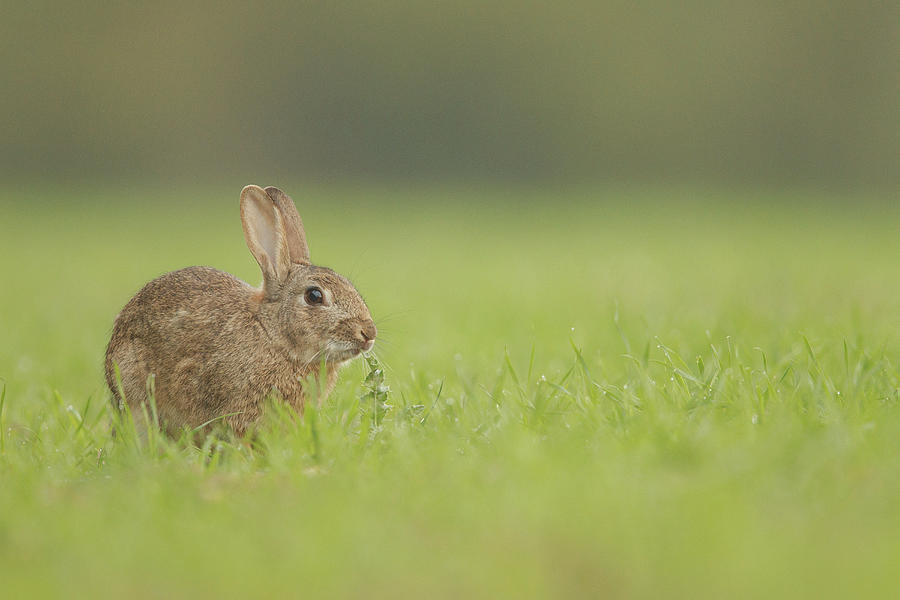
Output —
<point x="641" y="394"/>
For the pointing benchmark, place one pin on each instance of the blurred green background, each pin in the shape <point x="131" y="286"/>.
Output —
<point x="751" y="93"/>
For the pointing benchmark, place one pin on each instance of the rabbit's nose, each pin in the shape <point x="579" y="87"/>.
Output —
<point x="368" y="332"/>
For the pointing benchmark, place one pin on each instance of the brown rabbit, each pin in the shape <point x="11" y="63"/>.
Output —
<point x="213" y="347"/>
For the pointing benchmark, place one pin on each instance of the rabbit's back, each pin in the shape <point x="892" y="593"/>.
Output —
<point x="191" y="335"/>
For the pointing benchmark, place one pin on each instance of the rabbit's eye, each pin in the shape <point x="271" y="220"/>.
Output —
<point x="313" y="295"/>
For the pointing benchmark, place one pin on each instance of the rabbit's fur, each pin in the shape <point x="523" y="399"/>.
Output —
<point x="212" y="347"/>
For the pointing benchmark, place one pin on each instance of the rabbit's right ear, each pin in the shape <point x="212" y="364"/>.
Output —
<point x="294" y="234"/>
<point x="265" y="235"/>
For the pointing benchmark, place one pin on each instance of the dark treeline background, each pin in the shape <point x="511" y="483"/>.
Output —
<point x="759" y="93"/>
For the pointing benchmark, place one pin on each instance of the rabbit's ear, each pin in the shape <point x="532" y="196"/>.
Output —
<point x="264" y="232"/>
<point x="294" y="234"/>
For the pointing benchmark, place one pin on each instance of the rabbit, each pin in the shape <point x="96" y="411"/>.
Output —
<point x="210" y="347"/>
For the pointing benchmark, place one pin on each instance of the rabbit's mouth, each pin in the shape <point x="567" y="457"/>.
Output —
<point x="342" y="351"/>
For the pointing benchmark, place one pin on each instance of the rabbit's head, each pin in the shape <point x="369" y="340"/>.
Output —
<point x="310" y="313"/>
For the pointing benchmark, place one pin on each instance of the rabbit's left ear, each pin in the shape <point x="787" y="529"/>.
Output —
<point x="265" y="234"/>
<point x="294" y="234"/>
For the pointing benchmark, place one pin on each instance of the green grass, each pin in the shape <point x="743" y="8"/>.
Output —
<point x="617" y="394"/>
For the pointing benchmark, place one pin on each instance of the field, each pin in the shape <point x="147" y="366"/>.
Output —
<point x="641" y="393"/>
